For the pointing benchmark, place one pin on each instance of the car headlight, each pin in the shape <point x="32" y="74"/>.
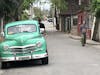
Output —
<point x="6" y="47"/>
<point x="39" y="44"/>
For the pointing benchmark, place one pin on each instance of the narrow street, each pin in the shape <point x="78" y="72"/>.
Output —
<point x="66" y="57"/>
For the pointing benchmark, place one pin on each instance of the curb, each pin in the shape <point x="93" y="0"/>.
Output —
<point x="90" y="42"/>
<point x="75" y="37"/>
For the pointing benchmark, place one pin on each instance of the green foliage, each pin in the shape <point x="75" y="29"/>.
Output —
<point x="98" y="13"/>
<point x="12" y="9"/>
<point x="38" y="12"/>
<point x="6" y="6"/>
<point x="26" y="4"/>
<point x="95" y="7"/>
<point x="98" y="0"/>
<point x="24" y="16"/>
<point x="60" y="4"/>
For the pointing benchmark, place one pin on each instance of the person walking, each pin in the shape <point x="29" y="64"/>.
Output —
<point x="83" y="30"/>
<point x="42" y="26"/>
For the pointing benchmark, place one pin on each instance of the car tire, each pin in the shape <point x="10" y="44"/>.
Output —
<point x="44" y="60"/>
<point x="3" y="65"/>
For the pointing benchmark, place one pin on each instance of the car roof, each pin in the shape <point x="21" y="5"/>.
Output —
<point x="22" y="22"/>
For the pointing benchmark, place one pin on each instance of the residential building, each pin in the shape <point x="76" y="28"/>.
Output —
<point x="71" y="19"/>
<point x="68" y="18"/>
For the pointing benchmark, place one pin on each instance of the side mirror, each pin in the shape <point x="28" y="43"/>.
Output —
<point x="42" y="30"/>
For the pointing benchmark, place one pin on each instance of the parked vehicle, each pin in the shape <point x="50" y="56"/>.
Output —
<point x="50" y="20"/>
<point x="22" y="41"/>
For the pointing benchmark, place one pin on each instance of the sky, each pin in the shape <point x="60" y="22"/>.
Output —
<point x="43" y="5"/>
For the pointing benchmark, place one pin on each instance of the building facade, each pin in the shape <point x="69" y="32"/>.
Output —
<point x="71" y="19"/>
<point x="68" y="18"/>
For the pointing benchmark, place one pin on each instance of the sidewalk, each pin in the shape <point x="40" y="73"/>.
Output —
<point x="88" y="41"/>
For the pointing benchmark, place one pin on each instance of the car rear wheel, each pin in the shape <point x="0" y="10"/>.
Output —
<point x="44" y="61"/>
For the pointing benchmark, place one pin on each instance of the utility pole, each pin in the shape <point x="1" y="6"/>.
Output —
<point x="2" y="25"/>
<point x="79" y="2"/>
<point x="1" y="33"/>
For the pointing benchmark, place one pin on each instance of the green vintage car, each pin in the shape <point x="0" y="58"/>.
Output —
<point x="22" y="41"/>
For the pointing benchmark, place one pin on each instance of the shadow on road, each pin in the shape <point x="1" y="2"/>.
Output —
<point x="24" y="64"/>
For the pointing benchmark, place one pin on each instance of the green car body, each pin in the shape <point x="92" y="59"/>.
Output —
<point x="23" y="41"/>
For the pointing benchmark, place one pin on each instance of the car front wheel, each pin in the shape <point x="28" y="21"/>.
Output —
<point x="44" y="60"/>
<point x="3" y="65"/>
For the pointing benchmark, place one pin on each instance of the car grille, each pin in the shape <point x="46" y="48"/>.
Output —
<point x="23" y="50"/>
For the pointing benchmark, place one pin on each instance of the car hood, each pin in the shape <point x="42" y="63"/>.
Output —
<point x="23" y="39"/>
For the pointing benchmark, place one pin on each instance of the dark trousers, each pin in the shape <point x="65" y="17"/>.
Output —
<point x="84" y="37"/>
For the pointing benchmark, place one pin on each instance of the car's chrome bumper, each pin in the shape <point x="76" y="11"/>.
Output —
<point x="21" y="58"/>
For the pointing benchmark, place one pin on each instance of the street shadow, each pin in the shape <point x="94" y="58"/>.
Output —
<point x="23" y="64"/>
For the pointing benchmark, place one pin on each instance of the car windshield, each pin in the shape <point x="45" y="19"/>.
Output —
<point x="21" y="28"/>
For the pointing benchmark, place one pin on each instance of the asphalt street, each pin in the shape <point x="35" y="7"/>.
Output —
<point x="66" y="57"/>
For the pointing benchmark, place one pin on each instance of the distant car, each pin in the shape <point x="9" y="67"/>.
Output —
<point x="22" y="41"/>
<point x="50" y="20"/>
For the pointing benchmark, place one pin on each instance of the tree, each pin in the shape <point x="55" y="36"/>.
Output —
<point x="6" y="7"/>
<point x="60" y="5"/>
<point x="38" y="12"/>
<point x="11" y="10"/>
<point x="95" y="7"/>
